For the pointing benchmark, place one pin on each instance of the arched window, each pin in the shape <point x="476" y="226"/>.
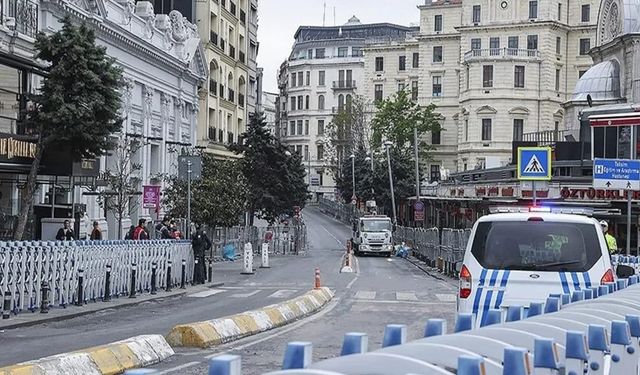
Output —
<point x="340" y="102"/>
<point x="349" y="103"/>
<point x="320" y="102"/>
<point x="306" y="102"/>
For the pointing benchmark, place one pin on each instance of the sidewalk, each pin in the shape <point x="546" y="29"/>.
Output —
<point x="229" y="272"/>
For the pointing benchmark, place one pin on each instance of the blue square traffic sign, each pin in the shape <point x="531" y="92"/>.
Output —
<point x="534" y="163"/>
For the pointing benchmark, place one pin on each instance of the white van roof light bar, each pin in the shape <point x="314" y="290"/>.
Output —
<point x="586" y="211"/>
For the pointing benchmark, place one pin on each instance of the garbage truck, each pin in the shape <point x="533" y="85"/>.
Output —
<point x="372" y="234"/>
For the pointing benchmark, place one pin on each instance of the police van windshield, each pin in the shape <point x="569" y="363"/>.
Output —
<point x="536" y="246"/>
<point x="376" y="225"/>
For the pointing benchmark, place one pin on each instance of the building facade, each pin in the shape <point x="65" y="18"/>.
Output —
<point x="321" y="77"/>
<point x="268" y="109"/>
<point x="229" y="30"/>
<point x="498" y="72"/>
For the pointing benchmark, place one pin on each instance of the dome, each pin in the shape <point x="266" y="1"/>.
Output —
<point x="602" y="82"/>
<point x="354" y="21"/>
<point x="618" y="17"/>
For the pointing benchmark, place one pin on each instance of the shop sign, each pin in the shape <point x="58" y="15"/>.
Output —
<point x="453" y="192"/>
<point x="480" y="192"/>
<point x="493" y="191"/>
<point x="507" y="192"/>
<point x="12" y="148"/>
<point x="596" y="194"/>
<point x="461" y="192"/>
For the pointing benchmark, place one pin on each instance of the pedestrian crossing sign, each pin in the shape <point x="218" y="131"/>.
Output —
<point x="534" y="163"/>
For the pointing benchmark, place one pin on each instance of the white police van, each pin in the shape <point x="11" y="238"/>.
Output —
<point x="521" y="255"/>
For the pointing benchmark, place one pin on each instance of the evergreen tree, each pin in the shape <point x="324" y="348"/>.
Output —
<point x="77" y="106"/>
<point x="275" y="177"/>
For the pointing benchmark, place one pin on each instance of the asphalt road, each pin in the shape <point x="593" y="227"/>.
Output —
<point x="384" y="291"/>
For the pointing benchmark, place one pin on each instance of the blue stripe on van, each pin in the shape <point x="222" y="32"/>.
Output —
<point x="476" y="301"/>
<point x="503" y="284"/>
<point x="489" y="296"/>
<point x="565" y="284"/>
<point x="576" y="280"/>
<point x="587" y="280"/>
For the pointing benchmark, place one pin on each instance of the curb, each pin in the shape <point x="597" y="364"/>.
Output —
<point x="219" y="331"/>
<point x="114" y="358"/>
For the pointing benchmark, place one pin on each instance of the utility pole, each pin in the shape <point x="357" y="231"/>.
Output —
<point x="415" y="150"/>
<point x="188" y="234"/>
<point x="387" y="145"/>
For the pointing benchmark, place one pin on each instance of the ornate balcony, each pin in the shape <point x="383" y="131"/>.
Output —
<point x="344" y="85"/>
<point x="501" y="53"/>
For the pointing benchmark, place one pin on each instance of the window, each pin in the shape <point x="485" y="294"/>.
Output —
<point x="581" y="73"/>
<point x="414" y="90"/>
<point x="585" y="46"/>
<point x="340" y="102"/>
<point x="319" y="53"/>
<point x="558" y="44"/>
<point x="293" y="80"/>
<point x="436" y="86"/>
<point x="308" y="80"/>
<point x="476" y="46"/>
<point x="343" y="51"/>
<point x="306" y="102"/>
<point x="586" y="13"/>
<point x="320" y="155"/>
<point x="435" y="137"/>
<point x="532" y="45"/>
<point x="494" y="45"/>
<point x="306" y="152"/>
<point x="378" y="92"/>
<point x="321" y="78"/>
<point x="518" y="128"/>
<point x="559" y="12"/>
<point x="379" y="64"/>
<point x="487" y="76"/>
<point x="309" y="54"/>
<point x="320" y="127"/>
<point x="557" y="79"/>
<point x="518" y="76"/>
<point x="533" y="9"/>
<point x="402" y="62"/>
<point x="299" y="127"/>
<point x="512" y="44"/>
<point x="437" y="23"/>
<point x="486" y="129"/>
<point x="466" y="131"/>
<point x="300" y="78"/>
<point x="437" y="54"/>
<point x="356" y="51"/>
<point x="300" y="102"/>
<point x="320" y="102"/>
<point x="401" y="86"/>
<point x="306" y="127"/>
<point x="435" y="173"/>
<point x="293" y="103"/>
<point x="416" y="60"/>
<point x="476" y="14"/>
<point x="293" y="128"/>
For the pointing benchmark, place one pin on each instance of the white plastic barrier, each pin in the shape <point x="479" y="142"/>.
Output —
<point x="24" y="266"/>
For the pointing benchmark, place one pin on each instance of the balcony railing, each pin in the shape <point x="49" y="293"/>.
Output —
<point x="344" y="84"/>
<point x="242" y="57"/>
<point x="214" y="38"/>
<point x="25" y="14"/>
<point x="213" y="87"/>
<point x="241" y="100"/>
<point x="243" y="16"/>
<point x="231" y="96"/>
<point x="506" y="53"/>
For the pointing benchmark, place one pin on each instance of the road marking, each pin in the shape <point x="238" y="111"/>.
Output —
<point x="282" y="293"/>
<point x="364" y="294"/>
<point x="395" y="302"/>
<point x="447" y="297"/>
<point x="351" y="282"/>
<point x="406" y="296"/>
<point x="245" y="295"/>
<point x="178" y="368"/>
<point x="334" y="237"/>
<point x="206" y="293"/>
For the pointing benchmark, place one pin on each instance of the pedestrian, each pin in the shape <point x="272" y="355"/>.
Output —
<point x="65" y="233"/>
<point x="129" y="235"/>
<point x="140" y="233"/>
<point x="200" y="244"/>
<point x="163" y="231"/>
<point x="96" y="233"/>
<point x="612" y="244"/>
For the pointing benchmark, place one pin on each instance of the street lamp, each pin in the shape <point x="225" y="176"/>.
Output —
<point x="387" y="146"/>
<point x="353" y="177"/>
<point x="370" y="159"/>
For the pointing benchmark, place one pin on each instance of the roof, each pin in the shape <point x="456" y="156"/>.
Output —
<point x="349" y="29"/>
<point x="601" y="81"/>
<point x="550" y="217"/>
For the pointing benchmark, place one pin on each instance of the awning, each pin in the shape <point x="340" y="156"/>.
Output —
<point x="617" y="119"/>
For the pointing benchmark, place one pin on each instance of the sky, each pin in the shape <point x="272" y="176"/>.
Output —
<point x="278" y="21"/>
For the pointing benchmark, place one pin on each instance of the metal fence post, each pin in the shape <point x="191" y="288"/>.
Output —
<point x="80" y="300"/>
<point x="132" y="288"/>
<point x="154" y="267"/>
<point x="184" y="276"/>
<point x="107" y="285"/>
<point x="44" y="304"/>
<point x="6" y="306"/>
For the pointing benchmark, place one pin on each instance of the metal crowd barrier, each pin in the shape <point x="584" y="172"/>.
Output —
<point x="25" y="266"/>
<point x="285" y="239"/>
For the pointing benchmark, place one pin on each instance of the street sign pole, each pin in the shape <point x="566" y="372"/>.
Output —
<point x="629" y="194"/>
<point x="188" y="229"/>
<point x="534" y="164"/>
<point x="533" y="187"/>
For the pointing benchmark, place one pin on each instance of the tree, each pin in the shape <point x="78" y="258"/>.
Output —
<point x="217" y="199"/>
<point x="398" y="116"/>
<point x="275" y="177"/>
<point x="122" y="180"/>
<point x="77" y="106"/>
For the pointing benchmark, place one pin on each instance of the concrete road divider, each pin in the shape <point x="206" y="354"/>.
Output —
<point x="218" y="331"/>
<point x="114" y="358"/>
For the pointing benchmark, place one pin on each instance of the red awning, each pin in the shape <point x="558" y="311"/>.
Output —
<point x="617" y="119"/>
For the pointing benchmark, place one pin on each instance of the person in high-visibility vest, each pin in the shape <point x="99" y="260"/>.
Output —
<point x="612" y="245"/>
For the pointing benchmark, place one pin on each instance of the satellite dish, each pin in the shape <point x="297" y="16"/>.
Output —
<point x="589" y="100"/>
